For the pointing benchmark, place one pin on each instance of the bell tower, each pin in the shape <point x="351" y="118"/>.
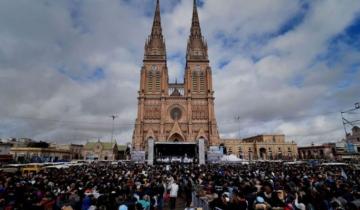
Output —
<point x="198" y="83"/>
<point x="154" y="75"/>
<point x="153" y="81"/>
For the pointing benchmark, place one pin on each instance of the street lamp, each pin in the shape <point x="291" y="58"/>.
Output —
<point x="112" y="130"/>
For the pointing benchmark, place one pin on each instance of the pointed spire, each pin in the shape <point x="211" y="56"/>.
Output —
<point x="155" y="45"/>
<point x="195" y="25"/>
<point x="156" y="28"/>
<point x="197" y="47"/>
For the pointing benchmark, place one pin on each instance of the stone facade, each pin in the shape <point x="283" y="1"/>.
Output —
<point x="175" y="112"/>
<point x="261" y="147"/>
<point x="100" y="151"/>
<point x="75" y="150"/>
<point x="354" y="137"/>
<point x="5" y="152"/>
<point x="5" y="148"/>
<point x="325" y="151"/>
<point x="31" y="154"/>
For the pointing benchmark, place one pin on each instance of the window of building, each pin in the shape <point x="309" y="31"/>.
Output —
<point x="202" y="82"/>
<point x="157" y="83"/>
<point x="150" y="81"/>
<point x="195" y="81"/>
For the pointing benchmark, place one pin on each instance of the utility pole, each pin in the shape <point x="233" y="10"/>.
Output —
<point x="113" y="124"/>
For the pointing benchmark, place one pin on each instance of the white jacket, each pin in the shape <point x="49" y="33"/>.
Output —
<point x="174" y="188"/>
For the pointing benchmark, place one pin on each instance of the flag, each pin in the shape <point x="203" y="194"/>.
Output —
<point x="343" y="174"/>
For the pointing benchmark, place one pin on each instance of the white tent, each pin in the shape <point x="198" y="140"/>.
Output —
<point x="230" y="158"/>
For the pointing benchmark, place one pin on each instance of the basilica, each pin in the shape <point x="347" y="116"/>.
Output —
<point x="175" y="112"/>
<point x="175" y="118"/>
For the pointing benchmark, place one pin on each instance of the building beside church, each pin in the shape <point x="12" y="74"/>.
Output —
<point x="354" y="137"/>
<point x="325" y="152"/>
<point x="100" y="151"/>
<point x="179" y="113"/>
<point x="346" y="149"/>
<point x="75" y="150"/>
<point x="5" y="151"/>
<point x="39" y="154"/>
<point x="261" y="147"/>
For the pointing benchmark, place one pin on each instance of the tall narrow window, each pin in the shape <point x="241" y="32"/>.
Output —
<point x="158" y="79"/>
<point x="150" y="81"/>
<point x="202" y="82"/>
<point x="195" y="82"/>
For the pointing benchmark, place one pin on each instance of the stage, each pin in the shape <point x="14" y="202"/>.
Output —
<point x="166" y="152"/>
<point x="181" y="152"/>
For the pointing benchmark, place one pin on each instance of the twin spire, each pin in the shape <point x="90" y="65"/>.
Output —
<point x="156" y="28"/>
<point x="155" y="48"/>
<point x="195" y="23"/>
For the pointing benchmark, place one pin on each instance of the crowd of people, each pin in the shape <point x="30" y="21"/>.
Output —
<point x="222" y="187"/>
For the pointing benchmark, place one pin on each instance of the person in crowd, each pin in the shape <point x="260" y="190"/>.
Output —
<point x="259" y="185"/>
<point x="174" y="188"/>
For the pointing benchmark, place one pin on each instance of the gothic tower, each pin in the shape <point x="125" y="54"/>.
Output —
<point x="175" y="112"/>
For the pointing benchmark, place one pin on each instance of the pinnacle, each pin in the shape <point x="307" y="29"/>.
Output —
<point x="155" y="45"/>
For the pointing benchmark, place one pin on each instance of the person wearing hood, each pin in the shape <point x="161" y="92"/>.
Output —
<point x="86" y="201"/>
<point x="261" y="204"/>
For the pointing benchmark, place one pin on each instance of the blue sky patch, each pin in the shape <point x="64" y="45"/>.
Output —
<point x="83" y="75"/>
<point x="226" y="40"/>
<point x="76" y="17"/>
<point x="223" y="63"/>
<point x="294" y="21"/>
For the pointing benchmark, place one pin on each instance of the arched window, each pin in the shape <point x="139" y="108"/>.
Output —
<point x="154" y="80"/>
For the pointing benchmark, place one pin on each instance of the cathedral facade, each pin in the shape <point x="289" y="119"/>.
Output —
<point x="175" y="112"/>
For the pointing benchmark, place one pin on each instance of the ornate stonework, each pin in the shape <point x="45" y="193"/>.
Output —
<point x="175" y="112"/>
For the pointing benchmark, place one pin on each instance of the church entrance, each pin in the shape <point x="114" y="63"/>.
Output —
<point x="176" y="138"/>
<point x="262" y="153"/>
<point x="170" y="152"/>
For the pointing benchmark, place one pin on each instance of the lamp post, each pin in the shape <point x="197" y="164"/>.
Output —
<point x="112" y="129"/>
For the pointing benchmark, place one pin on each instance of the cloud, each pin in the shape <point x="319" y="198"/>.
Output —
<point x="278" y="66"/>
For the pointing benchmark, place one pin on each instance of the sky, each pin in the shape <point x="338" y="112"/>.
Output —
<point x="279" y="66"/>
